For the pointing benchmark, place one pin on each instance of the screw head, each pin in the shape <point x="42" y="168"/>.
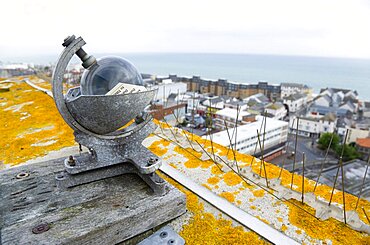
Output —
<point x="40" y="228"/>
<point x="71" y="161"/>
<point x="151" y="161"/>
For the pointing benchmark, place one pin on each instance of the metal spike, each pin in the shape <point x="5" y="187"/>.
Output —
<point x="323" y="162"/>
<point x="304" y="157"/>
<point x="262" y="161"/>
<point x="339" y="164"/>
<point x="363" y="182"/>
<point x="295" y="154"/>
<point x="367" y="217"/>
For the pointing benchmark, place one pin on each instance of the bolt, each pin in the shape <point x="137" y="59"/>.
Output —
<point x="151" y="161"/>
<point x="40" y="228"/>
<point x="71" y="161"/>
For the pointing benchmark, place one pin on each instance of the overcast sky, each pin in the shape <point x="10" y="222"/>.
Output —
<point x="338" y="28"/>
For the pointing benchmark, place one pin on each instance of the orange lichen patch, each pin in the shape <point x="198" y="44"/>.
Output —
<point x="216" y="170"/>
<point x="246" y="185"/>
<point x="277" y="211"/>
<point x="213" y="230"/>
<point x="251" y="199"/>
<point x="207" y="186"/>
<point x="259" y="193"/>
<point x="298" y="232"/>
<point x="216" y="187"/>
<point x="228" y="196"/>
<point x="213" y="180"/>
<point x="238" y="202"/>
<point x="280" y="219"/>
<point x="193" y="159"/>
<point x="206" y="164"/>
<point x="159" y="147"/>
<point x="231" y="179"/>
<point x="263" y="220"/>
<point x="192" y="164"/>
<point x="272" y="170"/>
<point x="253" y="207"/>
<point x="331" y="229"/>
<point x="173" y="165"/>
<point x="30" y="125"/>
<point x="284" y="228"/>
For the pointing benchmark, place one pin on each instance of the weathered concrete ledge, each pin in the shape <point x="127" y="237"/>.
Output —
<point x="103" y="212"/>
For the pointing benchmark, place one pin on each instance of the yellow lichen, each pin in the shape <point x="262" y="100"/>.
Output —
<point x="280" y="219"/>
<point x="231" y="178"/>
<point x="228" y="196"/>
<point x="159" y="147"/>
<point x="30" y="125"/>
<point x="259" y="193"/>
<point x="284" y="228"/>
<point x="332" y="229"/>
<point x="213" y="230"/>
<point x="216" y="170"/>
<point x="213" y="180"/>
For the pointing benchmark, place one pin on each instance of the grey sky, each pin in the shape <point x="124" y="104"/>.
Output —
<point x="291" y="27"/>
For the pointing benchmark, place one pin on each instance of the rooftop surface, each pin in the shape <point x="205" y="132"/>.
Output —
<point x="240" y="179"/>
<point x="249" y="129"/>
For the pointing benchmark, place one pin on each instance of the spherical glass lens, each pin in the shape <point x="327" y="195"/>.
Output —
<point x="107" y="73"/>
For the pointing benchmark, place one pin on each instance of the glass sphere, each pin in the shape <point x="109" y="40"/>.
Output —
<point x="107" y="73"/>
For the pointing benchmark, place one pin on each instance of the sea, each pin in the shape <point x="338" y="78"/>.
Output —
<point x="316" y="72"/>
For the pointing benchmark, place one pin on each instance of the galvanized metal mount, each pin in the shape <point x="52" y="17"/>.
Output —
<point x="96" y="121"/>
<point x="164" y="236"/>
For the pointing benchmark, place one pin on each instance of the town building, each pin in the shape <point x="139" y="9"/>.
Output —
<point x="167" y="87"/>
<point x="342" y="102"/>
<point x="363" y="147"/>
<point x="233" y="89"/>
<point x="236" y="104"/>
<point x="288" y="89"/>
<point x="171" y="113"/>
<point x="276" y="111"/>
<point x="313" y="127"/>
<point x="246" y="137"/>
<point x="295" y="102"/>
<point x="232" y="117"/>
<point x="353" y="134"/>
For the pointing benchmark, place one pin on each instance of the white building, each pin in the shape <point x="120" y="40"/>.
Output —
<point x="275" y="137"/>
<point x="295" y="102"/>
<point x="288" y="89"/>
<point x="230" y="116"/>
<point x="277" y="110"/>
<point x="168" y="87"/>
<point x="313" y="127"/>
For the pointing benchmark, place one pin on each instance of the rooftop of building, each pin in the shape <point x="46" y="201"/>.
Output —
<point x="232" y="113"/>
<point x="363" y="142"/>
<point x="295" y="96"/>
<point x="247" y="130"/>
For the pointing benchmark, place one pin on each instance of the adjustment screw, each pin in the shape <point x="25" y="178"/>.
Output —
<point x="151" y="161"/>
<point x="71" y="161"/>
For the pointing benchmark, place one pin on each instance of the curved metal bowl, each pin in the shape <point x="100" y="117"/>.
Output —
<point x="104" y="114"/>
